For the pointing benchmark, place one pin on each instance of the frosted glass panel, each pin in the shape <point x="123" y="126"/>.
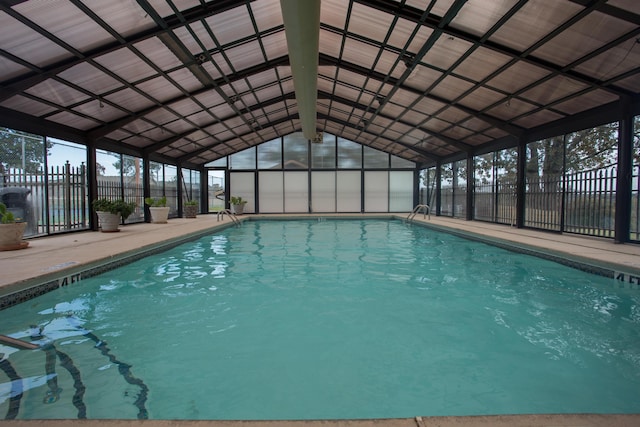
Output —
<point x="270" y="154"/>
<point x="398" y="162"/>
<point x="348" y="191"/>
<point x="375" y="159"/>
<point x="296" y="151"/>
<point x="349" y="154"/>
<point x="245" y="159"/>
<point x="296" y="192"/>
<point x="323" y="156"/>
<point x="376" y="191"/>
<point x="243" y="185"/>
<point x="323" y="191"/>
<point x="400" y="191"/>
<point x="271" y="186"/>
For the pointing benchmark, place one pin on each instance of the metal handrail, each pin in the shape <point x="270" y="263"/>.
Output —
<point x="426" y="210"/>
<point x="234" y="218"/>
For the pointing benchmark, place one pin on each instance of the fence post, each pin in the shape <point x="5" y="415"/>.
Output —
<point x="67" y="195"/>
<point x="83" y="193"/>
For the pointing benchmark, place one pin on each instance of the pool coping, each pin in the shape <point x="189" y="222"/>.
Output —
<point x="600" y="268"/>
<point x="526" y="420"/>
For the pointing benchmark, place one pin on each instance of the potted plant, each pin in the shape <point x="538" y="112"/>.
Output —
<point x="237" y="205"/>
<point x="158" y="209"/>
<point x="112" y="212"/>
<point x="11" y="230"/>
<point x="190" y="208"/>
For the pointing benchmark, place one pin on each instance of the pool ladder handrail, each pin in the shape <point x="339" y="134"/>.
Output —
<point x="233" y="216"/>
<point x="425" y="209"/>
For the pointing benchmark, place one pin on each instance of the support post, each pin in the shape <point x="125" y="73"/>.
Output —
<point x="624" y="177"/>
<point x="521" y="183"/>
<point x="470" y="186"/>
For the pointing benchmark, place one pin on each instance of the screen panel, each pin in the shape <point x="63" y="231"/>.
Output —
<point x="323" y="191"/>
<point x="376" y="191"/>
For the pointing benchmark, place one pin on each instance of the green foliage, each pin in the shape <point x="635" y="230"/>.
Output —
<point x="191" y="203"/>
<point x="115" y="207"/>
<point x="6" y="217"/>
<point x="11" y="150"/>
<point x="156" y="203"/>
<point x="237" y="200"/>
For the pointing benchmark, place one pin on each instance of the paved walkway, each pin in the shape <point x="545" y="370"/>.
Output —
<point x="60" y="256"/>
<point x="479" y="421"/>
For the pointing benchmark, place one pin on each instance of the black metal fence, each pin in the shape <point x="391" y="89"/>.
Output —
<point x="582" y="202"/>
<point x="634" y="234"/>
<point x="112" y="188"/>
<point x="496" y="202"/>
<point x="55" y="201"/>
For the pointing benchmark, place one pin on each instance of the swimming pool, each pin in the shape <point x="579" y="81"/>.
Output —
<point x="326" y="319"/>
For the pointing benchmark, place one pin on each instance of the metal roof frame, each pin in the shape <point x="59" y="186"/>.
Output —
<point x="426" y="80"/>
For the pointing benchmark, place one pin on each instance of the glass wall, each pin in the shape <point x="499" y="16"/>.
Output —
<point x="590" y="181"/>
<point x="191" y="186"/>
<point x="68" y="207"/>
<point x="543" y="184"/>
<point x="571" y="182"/>
<point x="323" y="156"/>
<point x="428" y="188"/>
<point x="296" y="151"/>
<point x="338" y="175"/>
<point x="44" y="182"/>
<point x="446" y="191"/>
<point x="349" y="154"/>
<point x="454" y="189"/>
<point x="634" y="229"/>
<point x="495" y="176"/>
<point x="121" y="177"/>
<point x="164" y="183"/>
<point x="270" y="154"/>
<point x="215" y="188"/>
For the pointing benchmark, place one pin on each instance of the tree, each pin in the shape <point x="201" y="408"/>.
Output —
<point x="22" y="150"/>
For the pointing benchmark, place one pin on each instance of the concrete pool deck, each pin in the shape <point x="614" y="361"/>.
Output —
<point x="62" y="256"/>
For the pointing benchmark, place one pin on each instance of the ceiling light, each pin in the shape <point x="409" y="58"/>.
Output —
<point x="408" y="59"/>
<point x="200" y="59"/>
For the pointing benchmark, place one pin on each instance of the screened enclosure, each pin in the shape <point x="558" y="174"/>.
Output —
<point x="515" y="112"/>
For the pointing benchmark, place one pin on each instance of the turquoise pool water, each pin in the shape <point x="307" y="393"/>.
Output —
<point x="329" y="319"/>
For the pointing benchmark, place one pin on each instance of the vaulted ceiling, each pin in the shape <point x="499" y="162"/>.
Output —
<point x="193" y="80"/>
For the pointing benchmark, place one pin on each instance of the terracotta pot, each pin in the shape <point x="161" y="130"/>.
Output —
<point x="11" y="236"/>
<point x="109" y="222"/>
<point x="159" y="214"/>
<point x="190" y="211"/>
<point x="238" y="209"/>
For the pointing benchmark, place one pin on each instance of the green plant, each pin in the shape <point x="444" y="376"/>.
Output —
<point x="115" y="207"/>
<point x="156" y="203"/>
<point x="237" y="200"/>
<point x="6" y="217"/>
<point x="191" y="203"/>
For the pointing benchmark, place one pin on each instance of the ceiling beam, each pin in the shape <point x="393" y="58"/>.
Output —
<point x="227" y="141"/>
<point x="302" y="29"/>
<point x="493" y="121"/>
<point x="38" y="75"/>
<point x="106" y="129"/>
<point x="166" y="142"/>
<point x="425" y="154"/>
<point x="412" y="14"/>
<point x="458" y="144"/>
